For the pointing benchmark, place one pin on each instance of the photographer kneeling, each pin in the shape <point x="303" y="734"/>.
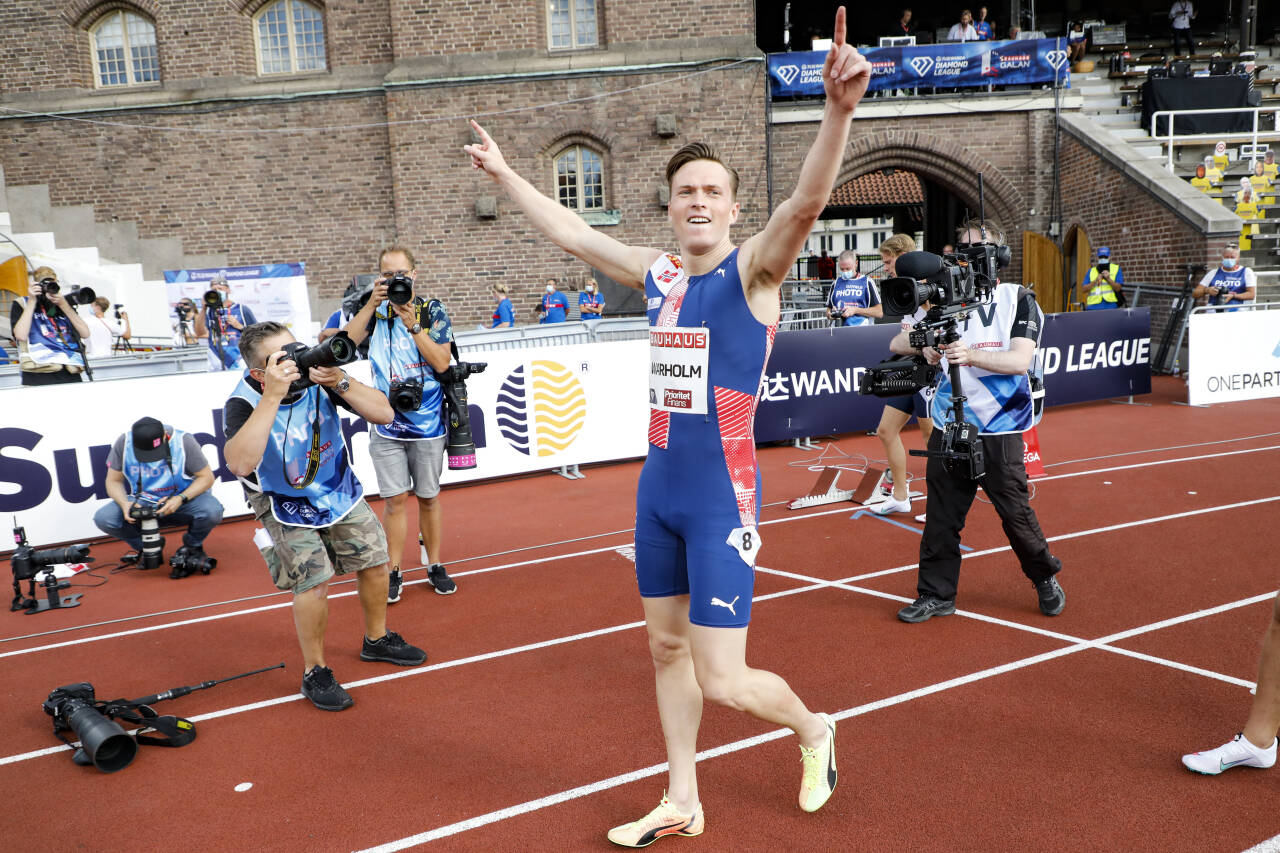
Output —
<point x="995" y="349"/>
<point x="410" y="341"/>
<point x="161" y="469"/>
<point x="285" y="443"/>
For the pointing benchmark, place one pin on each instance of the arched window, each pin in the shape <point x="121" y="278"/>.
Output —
<point x="580" y="178"/>
<point x="124" y="50"/>
<point x="571" y="24"/>
<point x="290" y="37"/>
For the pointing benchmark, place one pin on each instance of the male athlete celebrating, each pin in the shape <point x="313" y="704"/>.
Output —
<point x="713" y="311"/>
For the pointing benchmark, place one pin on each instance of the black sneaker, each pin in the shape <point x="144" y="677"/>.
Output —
<point x="393" y="649"/>
<point x="324" y="691"/>
<point x="439" y="578"/>
<point x="393" y="586"/>
<point x="926" y="607"/>
<point x="1052" y="598"/>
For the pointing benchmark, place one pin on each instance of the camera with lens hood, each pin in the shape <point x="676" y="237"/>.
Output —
<point x="405" y="395"/>
<point x="332" y="352"/>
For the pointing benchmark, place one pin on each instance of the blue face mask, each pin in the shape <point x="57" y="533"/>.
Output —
<point x="846" y="274"/>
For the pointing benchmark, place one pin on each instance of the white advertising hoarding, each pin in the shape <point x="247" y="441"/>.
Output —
<point x="1234" y="356"/>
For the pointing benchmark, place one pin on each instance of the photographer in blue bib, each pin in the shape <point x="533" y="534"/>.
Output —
<point x="224" y="319"/>
<point x="285" y="443"/>
<point x="410" y="342"/>
<point x="854" y="300"/>
<point x="160" y="472"/>
<point x="1230" y="285"/>
<point x="993" y="347"/>
<point x="49" y="333"/>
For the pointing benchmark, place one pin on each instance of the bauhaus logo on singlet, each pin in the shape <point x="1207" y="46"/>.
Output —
<point x="541" y="408"/>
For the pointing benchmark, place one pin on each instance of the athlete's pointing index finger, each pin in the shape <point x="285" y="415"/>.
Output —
<point x="837" y="38"/>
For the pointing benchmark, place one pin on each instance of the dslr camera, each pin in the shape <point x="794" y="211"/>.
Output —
<point x="405" y="395"/>
<point x="460" y="448"/>
<point x="332" y="352"/>
<point x="50" y="286"/>
<point x="400" y="288"/>
<point x="213" y="299"/>
<point x="103" y="742"/>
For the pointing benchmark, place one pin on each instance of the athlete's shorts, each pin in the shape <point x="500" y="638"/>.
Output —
<point x="912" y="404"/>
<point x="682" y="549"/>
<point x="404" y="465"/>
<point x="302" y="558"/>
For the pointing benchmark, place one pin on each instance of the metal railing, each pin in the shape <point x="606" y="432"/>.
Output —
<point x="1251" y="136"/>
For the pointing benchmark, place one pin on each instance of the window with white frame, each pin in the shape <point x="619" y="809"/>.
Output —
<point x="571" y="24"/>
<point x="124" y="50"/>
<point x="851" y="242"/>
<point x="290" y="37"/>
<point x="580" y="178"/>
<point x="880" y="237"/>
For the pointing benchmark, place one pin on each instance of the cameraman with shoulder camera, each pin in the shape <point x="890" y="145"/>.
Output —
<point x="285" y="443"/>
<point x="225" y="319"/>
<point x="162" y="468"/>
<point x="49" y="333"/>
<point x="410" y="340"/>
<point x="995" y="350"/>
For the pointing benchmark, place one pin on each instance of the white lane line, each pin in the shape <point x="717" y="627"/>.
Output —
<point x="747" y="743"/>
<point x="1271" y="845"/>
<point x="1157" y="462"/>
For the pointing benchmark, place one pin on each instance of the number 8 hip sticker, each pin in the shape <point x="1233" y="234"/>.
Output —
<point x="746" y="541"/>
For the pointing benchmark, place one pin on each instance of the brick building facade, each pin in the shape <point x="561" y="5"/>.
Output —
<point x="327" y="166"/>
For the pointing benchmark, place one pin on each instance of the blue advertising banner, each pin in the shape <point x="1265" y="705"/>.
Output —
<point x="810" y="386"/>
<point x="975" y="63"/>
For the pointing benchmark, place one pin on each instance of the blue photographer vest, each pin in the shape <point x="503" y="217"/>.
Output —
<point x="220" y="329"/>
<point x="394" y="355"/>
<point x="997" y="403"/>
<point x="160" y="480"/>
<point x="856" y="292"/>
<point x="334" y="491"/>
<point x="1231" y="280"/>
<point x="52" y="340"/>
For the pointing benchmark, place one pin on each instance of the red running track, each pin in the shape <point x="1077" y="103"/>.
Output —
<point x="533" y="724"/>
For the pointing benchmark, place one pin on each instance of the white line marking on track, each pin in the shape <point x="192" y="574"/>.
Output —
<point x="1271" y="845"/>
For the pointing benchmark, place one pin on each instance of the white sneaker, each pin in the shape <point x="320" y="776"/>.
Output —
<point x="1237" y="752"/>
<point x="891" y="504"/>
<point x="920" y="518"/>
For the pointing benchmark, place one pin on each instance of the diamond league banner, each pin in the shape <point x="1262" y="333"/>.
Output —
<point x="810" y="386"/>
<point x="975" y="63"/>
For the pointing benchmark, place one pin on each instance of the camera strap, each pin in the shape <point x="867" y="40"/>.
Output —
<point x="173" y="730"/>
<point x="313" y="455"/>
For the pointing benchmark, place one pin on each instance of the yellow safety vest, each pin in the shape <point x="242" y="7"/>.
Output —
<point x="1220" y="160"/>
<point x="1261" y="184"/>
<point x="1270" y="170"/>
<point x="1103" y="292"/>
<point x="1248" y="210"/>
<point x="1202" y="184"/>
<point x="1214" y="175"/>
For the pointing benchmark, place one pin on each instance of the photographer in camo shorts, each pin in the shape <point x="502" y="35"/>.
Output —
<point x="285" y="443"/>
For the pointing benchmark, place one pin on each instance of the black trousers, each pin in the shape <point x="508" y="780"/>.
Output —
<point x="947" y="506"/>
<point x="1184" y="35"/>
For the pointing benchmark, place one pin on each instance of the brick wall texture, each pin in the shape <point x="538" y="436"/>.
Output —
<point x="366" y="165"/>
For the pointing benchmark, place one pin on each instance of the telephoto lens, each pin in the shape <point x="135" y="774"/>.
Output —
<point x="334" y="351"/>
<point x="213" y="299"/>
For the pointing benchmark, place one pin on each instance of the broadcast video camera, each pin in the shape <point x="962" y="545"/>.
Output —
<point x="459" y="446"/>
<point x="952" y="285"/>
<point x="331" y="352"/>
<point x="27" y="563"/>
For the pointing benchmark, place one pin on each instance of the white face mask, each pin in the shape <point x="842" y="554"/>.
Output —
<point x="1228" y="262"/>
<point x="591" y="288"/>
<point x="551" y="288"/>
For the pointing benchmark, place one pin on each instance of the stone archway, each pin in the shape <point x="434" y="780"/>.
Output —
<point x="949" y="165"/>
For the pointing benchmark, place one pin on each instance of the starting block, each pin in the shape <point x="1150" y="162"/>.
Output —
<point x="824" y="491"/>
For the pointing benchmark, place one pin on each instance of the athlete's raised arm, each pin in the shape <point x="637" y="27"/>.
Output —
<point x="622" y="263"/>
<point x="766" y="257"/>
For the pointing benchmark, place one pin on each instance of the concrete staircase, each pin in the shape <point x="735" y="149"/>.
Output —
<point x="109" y="256"/>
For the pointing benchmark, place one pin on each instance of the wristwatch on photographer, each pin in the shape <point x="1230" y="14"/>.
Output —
<point x="344" y="384"/>
<point x="415" y="328"/>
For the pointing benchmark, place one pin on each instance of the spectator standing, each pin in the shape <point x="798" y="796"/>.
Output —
<point x="49" y="333"/>
<point x="103" y="330"/>
<point x="854" y="300"/>
<point x="1231" y="284"/>
<point x="590" y="303"/>
<point x="826" y="266"/>
<point x="905" y="26"/>
<point x="898" y="410"/>
<point x="1102" y="283"/>
<point x="964" y="30"/>
<point x="408" y="341"/>
<point x="555" y="306"/>
<point x="1180" y="14"/>
<point x="163" y="467"/>
<point x="504" y="316"/>
<point x="984" y="28"/>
